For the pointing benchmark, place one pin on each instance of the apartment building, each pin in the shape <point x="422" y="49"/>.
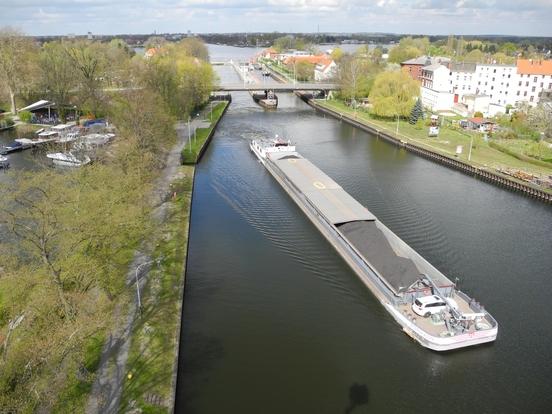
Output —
<point x="526" y="81"/>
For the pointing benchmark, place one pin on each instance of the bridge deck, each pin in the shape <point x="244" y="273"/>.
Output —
<point x="279" y="87"/>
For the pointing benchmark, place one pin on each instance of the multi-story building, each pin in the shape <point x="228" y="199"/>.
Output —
<point x="504" y="85"/>
<point x="414" y="66"/>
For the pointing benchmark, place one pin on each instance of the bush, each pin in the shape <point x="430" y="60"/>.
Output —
<point x="478" y="114"/>
<point x="25" y="116"/>
<point x="6" y="122"/>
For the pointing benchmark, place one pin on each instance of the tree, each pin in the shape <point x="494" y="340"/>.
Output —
<point x="90" y="60"/>
<point x="356" y="76"/>
<point x="304" y="71"/>
<point x="337" y="54"/>
<point x="416" y="113"/>
<point x="58" y="75"/>
<point x="399" y="53"/>
<point x="393" y="94"/>
<point x="16" y="57"/>
<point x="475" y="56"/>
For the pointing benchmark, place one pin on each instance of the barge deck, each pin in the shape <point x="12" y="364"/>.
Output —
<point x="391" y="269"/>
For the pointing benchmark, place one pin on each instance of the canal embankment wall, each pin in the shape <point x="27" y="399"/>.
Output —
<point x="213" y="128"/>
<point x="477" y="172"/>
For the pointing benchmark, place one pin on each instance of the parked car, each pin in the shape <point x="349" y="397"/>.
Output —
<point x="430" y="305"/>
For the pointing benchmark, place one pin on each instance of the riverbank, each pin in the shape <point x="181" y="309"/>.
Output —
<point x="150" y="377"/>
<point x="196" y="145"/>
<point x="486" y="171"/>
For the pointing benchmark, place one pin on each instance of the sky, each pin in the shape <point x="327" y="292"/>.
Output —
<point x="460" y="17"/>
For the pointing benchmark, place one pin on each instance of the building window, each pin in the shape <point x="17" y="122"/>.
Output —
<point x="519" y="83"/>
<point x="525" y="93"/>
<point x="517" y="93"/>
<point x="492" y="87"/>
<point x="509" y="76"/>
<point x="533" y="89"/>
<point x="507" y="85"/>
<point x="531" y="99"/>
<point x="535" y="79"/>
<point x="542" y="84"/>
<point x="527" y="83"/>
<point x="494" y="71"/>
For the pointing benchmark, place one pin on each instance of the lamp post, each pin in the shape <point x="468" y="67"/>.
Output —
<point x="139" y="299"/>
<point x="471" y="144"/>
<point x="189" y="134"/>
<point x="397" y="131"/>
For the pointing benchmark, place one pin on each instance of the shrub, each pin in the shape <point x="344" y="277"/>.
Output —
<point x="6" y="122"/>
<point x="25" y="116"/>
<point x="478" y="115"/>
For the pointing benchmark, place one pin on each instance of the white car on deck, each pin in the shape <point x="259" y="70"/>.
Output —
<point x="430" y="305"/>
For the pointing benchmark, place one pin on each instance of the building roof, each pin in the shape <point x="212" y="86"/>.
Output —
<point x="315" y="60"/>
<point x="426" y="60"/>
<point x="534" y="67"/>
<point x="462" y="67"/>
<point x="434" y="67"/>
<point x="38" y="105"/>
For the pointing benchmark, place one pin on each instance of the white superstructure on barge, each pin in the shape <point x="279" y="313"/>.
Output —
<point x="406" y="284"/>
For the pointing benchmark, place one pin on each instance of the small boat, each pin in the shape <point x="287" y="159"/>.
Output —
<point x="4" y="162"/>
<point x="68" y="159"/>
<point x="14" y="146"/>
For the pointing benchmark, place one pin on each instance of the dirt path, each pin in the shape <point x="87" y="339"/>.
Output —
<point x="106" y="391"/>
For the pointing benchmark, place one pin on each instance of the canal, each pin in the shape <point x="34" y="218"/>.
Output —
<point x="275" y="322"/>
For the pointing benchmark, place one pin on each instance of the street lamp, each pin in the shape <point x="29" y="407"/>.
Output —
<point x="397" y="131"/>
<point x="189" y="134"/>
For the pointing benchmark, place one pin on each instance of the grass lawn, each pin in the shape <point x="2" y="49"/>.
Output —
<point x="482" y="154"/>
<point x="191" y="152"/>
<point x="148" y="382"/>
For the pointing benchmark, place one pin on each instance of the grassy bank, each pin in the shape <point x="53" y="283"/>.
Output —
<point x="149" y="381"/>
<point x="192" y="150"/>
<point x="482" y="153"/>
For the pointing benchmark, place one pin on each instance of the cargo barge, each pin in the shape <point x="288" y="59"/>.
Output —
<point x="267" y="99"/>
<point x="424" y="302"/>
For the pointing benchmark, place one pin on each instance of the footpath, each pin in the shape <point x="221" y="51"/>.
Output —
<point x="107" y="390"/>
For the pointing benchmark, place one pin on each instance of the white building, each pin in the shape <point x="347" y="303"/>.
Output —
<point x="435" y="90"/>
<point x="325" y="70"/>
<point x="503" y="84"/>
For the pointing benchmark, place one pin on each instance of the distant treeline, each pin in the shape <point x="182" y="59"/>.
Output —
<point x="267" y="39"/>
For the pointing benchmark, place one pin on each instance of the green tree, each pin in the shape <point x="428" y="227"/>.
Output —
<point x="58" y="75"/>
<point x="304" y="71"/>
<point x="90" y="60"/>
<point x="16" y="59"/>
<point x="416" y="113"/>
<point x="475" y="56"/>
<point x="393" y="94"/>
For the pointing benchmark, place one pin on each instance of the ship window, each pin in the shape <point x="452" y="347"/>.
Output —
<point x="418" y="303"/>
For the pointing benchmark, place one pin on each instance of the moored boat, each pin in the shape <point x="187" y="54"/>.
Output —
<point x="68" y="159"/>
<point x="426" y="304"/>
<point x="4" y="162"/>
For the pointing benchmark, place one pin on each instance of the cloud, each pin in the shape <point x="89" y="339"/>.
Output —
<point x="530" y="17"/>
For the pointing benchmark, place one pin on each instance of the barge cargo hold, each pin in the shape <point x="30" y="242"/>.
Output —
<point x="427" y="305"/>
